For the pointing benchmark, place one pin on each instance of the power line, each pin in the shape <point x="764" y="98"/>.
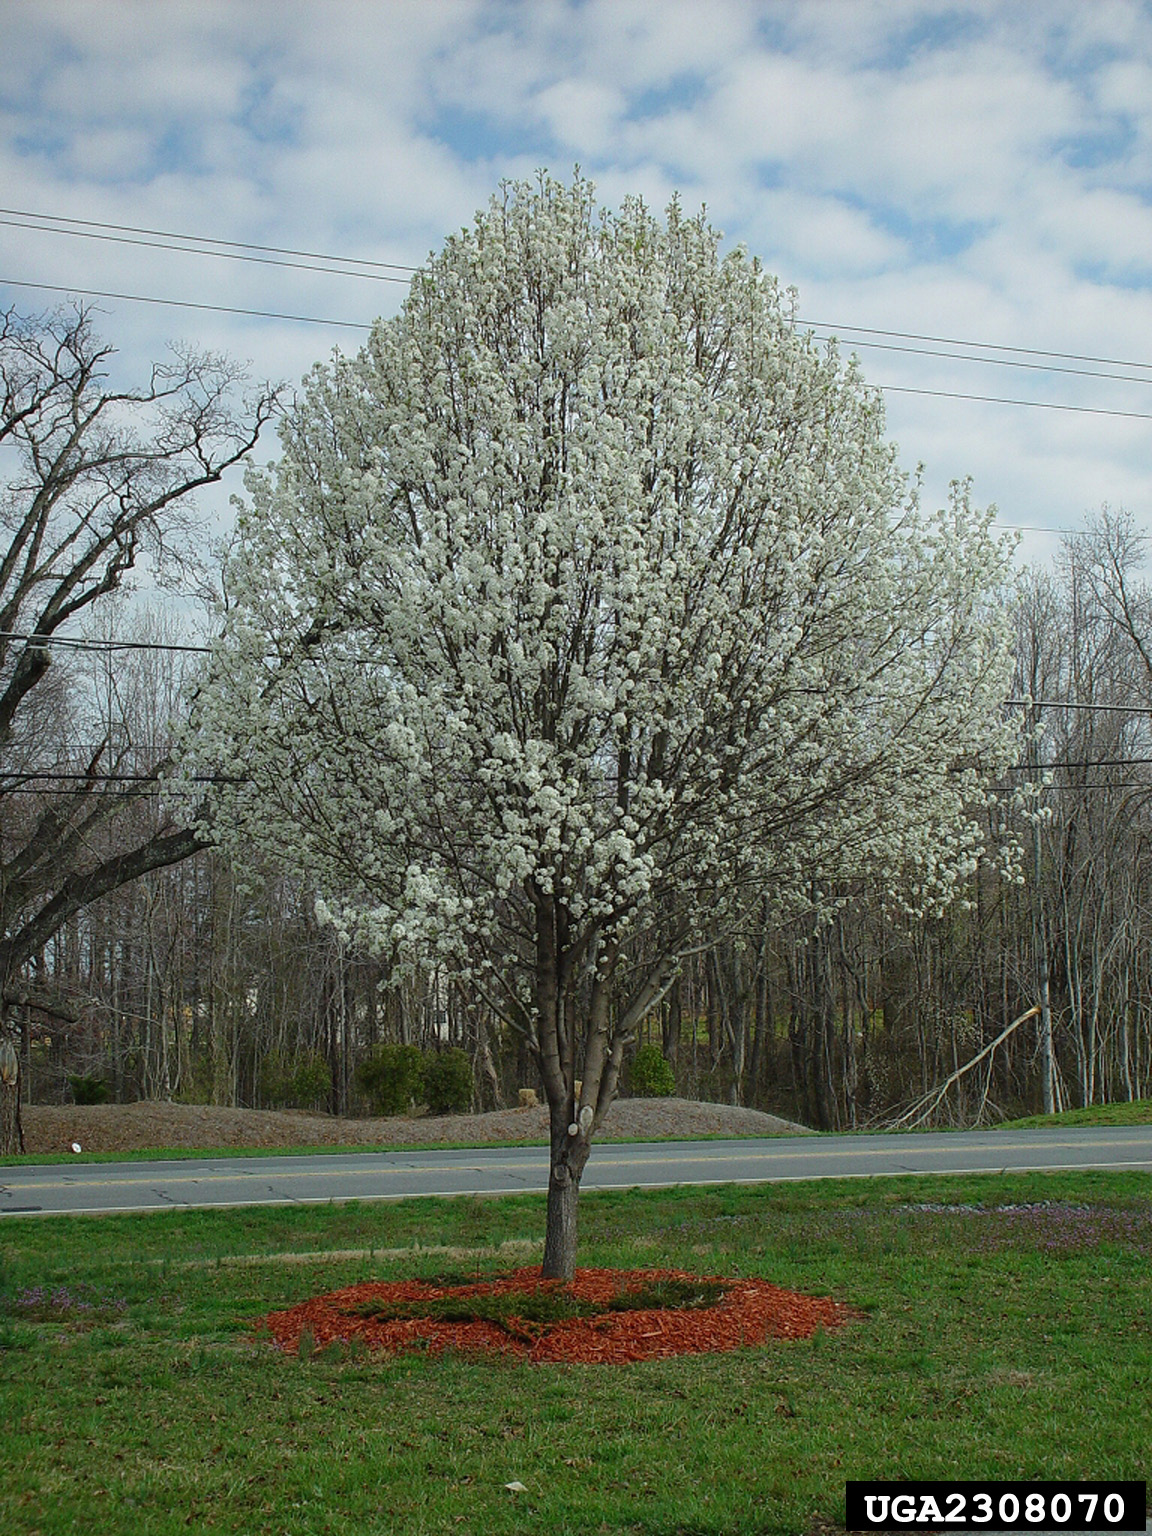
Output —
<point x="77" y="643"/>
<point x="1040" y="405"/>
<point x="152" y="790"/>
<point x="239" y="245"/>
<point x="53" y="776"/>
<point x="216" y="309"/>
<point x="353" y="325"/>
<point x="1123" y="709"/>
<point x="1066" y="533"/>
<point x="1088" y="762"/>
<point x="1076" y="789"/>
<point x="49" y="777"/>
<point x="989" y="346"/>
<point x="139" y="792"/>
<point x="53" y="223"/>
<point x="189" y="250"/>
<point x="1000" y="362"/>
<point x="239" y="251"/>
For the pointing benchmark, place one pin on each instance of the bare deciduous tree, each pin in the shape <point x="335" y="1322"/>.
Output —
<point x="97" y="481"/>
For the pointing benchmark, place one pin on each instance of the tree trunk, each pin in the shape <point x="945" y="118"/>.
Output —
<point x="11" y="1130"/>
<point x="569" y="1155"/>
<point x="673" y="1014"/>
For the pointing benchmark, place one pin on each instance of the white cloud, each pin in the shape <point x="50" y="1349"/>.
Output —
<point x="819" y="235"/>
<point x="943" y="166"/>
<point x="645" y="47"/>
<point x="1100" y="227"/>
<point x="582" y="115"/>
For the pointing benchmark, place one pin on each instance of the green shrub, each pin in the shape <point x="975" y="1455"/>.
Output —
<point x="195" y="1083"/>
<point x="652" y="1076"/>
<point x="89" y="1090"/>
<point x="310" y="1085"/>
<point x="448" y="1082"/>
<point x="392" y="1078"/>
<point x="295" y="1082"/>
<point x="271" y="1085"/>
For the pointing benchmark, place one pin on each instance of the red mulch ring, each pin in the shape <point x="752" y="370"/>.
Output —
<point x="749" y="1312"/>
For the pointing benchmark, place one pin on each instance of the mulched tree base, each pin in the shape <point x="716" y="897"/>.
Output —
<point x="749" y="1312"/>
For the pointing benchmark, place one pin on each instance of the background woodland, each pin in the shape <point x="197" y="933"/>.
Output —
<point x="195" y="984"/>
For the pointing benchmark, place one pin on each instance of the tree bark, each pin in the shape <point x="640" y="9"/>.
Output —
<point x="673" y="1017"/>
<point x="569" y="1154"/>
<point x="565" y="1021"/>
<point x="11" y="1130"/>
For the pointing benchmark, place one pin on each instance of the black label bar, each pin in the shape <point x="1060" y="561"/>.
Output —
<point x="990" y="1506"/>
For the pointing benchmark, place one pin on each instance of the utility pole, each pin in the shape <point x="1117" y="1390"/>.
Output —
<point x="1040" y="938"/>
<point x="1040" y="952"/>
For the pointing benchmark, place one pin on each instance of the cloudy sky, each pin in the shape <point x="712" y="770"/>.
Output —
<point x="976" y="172"/>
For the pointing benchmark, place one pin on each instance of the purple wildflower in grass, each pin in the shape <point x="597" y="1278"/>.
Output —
<point x="1054" y="1227"/>
<point x="1051" y="1226"/>
<point x="81" y="1301"/>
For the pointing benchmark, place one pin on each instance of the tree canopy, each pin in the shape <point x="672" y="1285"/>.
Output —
<point x="588" y="601"/>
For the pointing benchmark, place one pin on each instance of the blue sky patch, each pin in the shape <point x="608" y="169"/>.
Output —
<point x="1100" y="147"/>
<point x="927" y="239"/>
<point x="476" y="136"/>
<point x="41" y="142"/>
<point x="681" y="94"/>
<point x="261" y="115"/>
<point x="933" y="32"/>
<point x="1130" y="277"/>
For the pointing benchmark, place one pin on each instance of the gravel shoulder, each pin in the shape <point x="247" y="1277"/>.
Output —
<point x="148" y="1125"/>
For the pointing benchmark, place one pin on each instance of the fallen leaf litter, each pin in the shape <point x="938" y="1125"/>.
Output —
<point x="748" y="1312"/>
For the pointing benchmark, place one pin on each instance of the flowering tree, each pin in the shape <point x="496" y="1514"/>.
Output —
<point x="588" y="598"/>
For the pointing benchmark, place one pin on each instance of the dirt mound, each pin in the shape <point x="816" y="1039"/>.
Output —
<point x="144" y="1126"/>
<point x="748" y="1312"/>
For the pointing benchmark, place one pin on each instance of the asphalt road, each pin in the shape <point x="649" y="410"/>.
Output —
<point x="106" y="1187"/>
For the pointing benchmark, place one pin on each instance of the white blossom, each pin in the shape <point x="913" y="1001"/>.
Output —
<point x="591" y="594"/>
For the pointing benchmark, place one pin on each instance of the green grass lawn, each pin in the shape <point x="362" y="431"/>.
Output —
<point x="1002" y="1343"/>
<point x="1138" y="1112"/>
